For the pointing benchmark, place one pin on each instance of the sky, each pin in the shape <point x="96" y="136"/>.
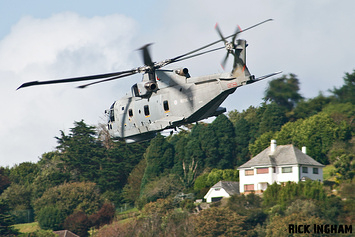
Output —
<point x="44" y="40"/>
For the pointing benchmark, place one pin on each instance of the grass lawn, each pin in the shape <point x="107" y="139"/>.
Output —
<point x="27" y="228"/>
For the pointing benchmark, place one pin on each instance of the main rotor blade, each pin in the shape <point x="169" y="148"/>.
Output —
<point x="223" y="63"/>
<point x="220" y="33"/>
<point x="213" y="43"/>
<point x="238" y="30"/>
<point x="75" y="79"/>
<point x="109" y="79"/>
<point x="198" y="54"/>
<point x="146" y="55"/>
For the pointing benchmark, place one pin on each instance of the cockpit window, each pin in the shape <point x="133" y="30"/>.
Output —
<point x="112" y="114"/>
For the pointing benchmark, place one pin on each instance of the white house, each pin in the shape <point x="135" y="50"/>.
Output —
<point x="222" y="189"/>
<point x="278" y="164"/>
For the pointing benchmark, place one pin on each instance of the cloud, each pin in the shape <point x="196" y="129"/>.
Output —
<point x="64" y="45"/>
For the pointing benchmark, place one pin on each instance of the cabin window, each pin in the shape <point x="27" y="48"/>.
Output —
<point x="286" y="169"/>
<point x="304" y="169"/>
<point x="166" y="105"/>
<point x="315" y="171"/>
<point x="122" y="108"/>
<point x="262" y="170"/>
<point x="146" y="110"/>
<point x="130" y="113"/>
<point x="249" y="172"/>
<point x="249" y="187"/>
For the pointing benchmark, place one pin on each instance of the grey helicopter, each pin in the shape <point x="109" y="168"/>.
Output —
<point x="167" y="99"/>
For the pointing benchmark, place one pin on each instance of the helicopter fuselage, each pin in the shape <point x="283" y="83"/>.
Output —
<point x="179" y="100"/>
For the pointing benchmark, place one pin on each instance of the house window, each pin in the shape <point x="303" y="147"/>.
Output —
<point x="166" y="105"/>
<point x="274" y="169"/>
<point x="249" y="187"/>
<point x="146" y="110"/>
<point x="249" y="172"/>
<point x="286" y="169"/>
<point x="262" y="170"/>
<point x="130" y="113"/>
<point x="315" y="171"/>
<point x="304" y="169"/>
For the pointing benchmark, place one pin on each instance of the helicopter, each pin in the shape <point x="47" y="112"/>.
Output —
<point x="170" y="98"/>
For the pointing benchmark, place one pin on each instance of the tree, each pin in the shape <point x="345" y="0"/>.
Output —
<point x="81" y="152"/>
<point x="261" y="143"/>
<point x="160" y="158"/>
<point x="344" y="167"/>
<point x="242" y="139"/>
<point x="225" y="135"/>
<point x="18" y="196"/>
<point x="310" y="107"/>
<point x="78" y="223"/>
<point x="217" y="175"/>
<point x="284" y="91"/>
<point x="104" y="216"/>
<point x="161" y="187"/>
<point x="250" y="207"/>
<point x="273" y="118"/>
<point x="23" y="173"/>
<point x="50" y="218"/>
<point x="209" y="145"/>
<point x="276" y="194"/>
<point x="346" y="92"/>
<point x="219" y="221"/>
<point x="71" y="196"/>
<point x="279" y="225"/>
<point x="50" y="174"/>
<point x="317" y="133"/>
<point x="131" y="190"/>
<point x="288" y="133"/>
<point x="115" y="168"/>
<point x="6" y="220"/>
<point x="4" y="180"/>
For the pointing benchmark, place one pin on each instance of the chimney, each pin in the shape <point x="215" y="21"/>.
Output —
<point x="304" y="150"/>
<point x="273" y="146"/>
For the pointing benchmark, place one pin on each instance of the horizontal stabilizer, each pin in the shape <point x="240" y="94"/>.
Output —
<point x="266" y="76"/>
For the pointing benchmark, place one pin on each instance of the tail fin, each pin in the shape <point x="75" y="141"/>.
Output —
<point x="240" y="68"/>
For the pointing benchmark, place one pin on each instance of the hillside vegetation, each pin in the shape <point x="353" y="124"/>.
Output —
<point x="82" y="183"/>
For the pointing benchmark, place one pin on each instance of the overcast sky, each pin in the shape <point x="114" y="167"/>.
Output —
<point x="43" y="40"/>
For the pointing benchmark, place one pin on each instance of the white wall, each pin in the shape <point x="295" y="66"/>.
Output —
<point x="277" y="177"/>
<point x="215" y="193"/>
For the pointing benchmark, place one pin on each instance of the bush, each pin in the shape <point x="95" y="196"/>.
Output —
<point x="50" y="218"/>
<point x="104" y="216"/>
<point x="78" y="223"/>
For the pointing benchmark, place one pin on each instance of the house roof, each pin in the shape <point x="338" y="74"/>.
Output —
<point x="230" y="187"/>
<point x="65" y="233"/>
<point x="283" y="155"/>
